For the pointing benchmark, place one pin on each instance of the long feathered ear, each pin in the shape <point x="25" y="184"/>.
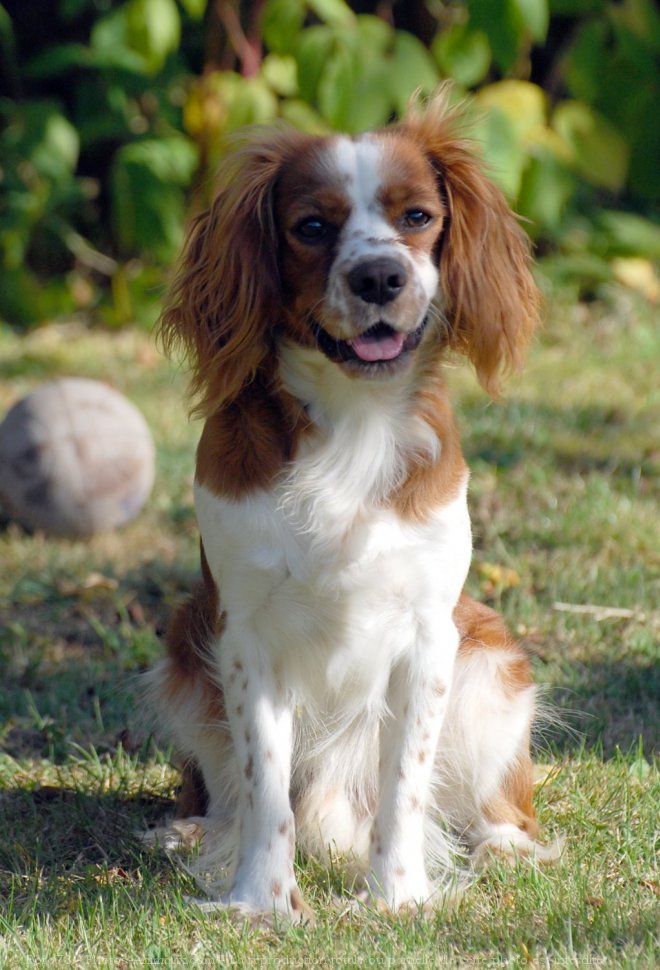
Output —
<point x="224" y="299"/>
<point x="490" y="299"/>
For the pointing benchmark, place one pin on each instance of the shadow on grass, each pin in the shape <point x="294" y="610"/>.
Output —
<point x="64" y="841"/>
<point x="575" y="440"/>
<point x="604" y="707"/>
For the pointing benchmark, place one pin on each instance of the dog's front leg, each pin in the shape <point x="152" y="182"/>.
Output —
<point x="260" y="719"/>
<point x="417" y="699"/>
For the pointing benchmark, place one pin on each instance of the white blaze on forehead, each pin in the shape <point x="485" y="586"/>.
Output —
<point x="360" y="165"/>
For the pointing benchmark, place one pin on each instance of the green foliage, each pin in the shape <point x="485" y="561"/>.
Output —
<point x="115" y="115"/>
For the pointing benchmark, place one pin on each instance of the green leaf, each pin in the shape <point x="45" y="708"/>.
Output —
<point x="281" y="73"/>
<point x="109" y="44"/>
<point x="335" y="13"/>
<point x="53" y="61"/>
<point x="6" y="28"/>
<point x="153" y="29"/>
<point x="598" y="151"/>
<point x="462" y="54"/>
<point x="281" y="22"/>
<point x="546" y="188"/>
<point x="312" y="50"/>
<point x="644" y="175"/>
<point x="411" y="68"/>
<point x="194" y="8"/>
<point x="523" y="103"/>
<point x="640" y="18"/>
<point x="301" y="115"/>
<point x="629" y="234"/>
<point x="376" y="35"/>
<point x="581" y="268"/>
<point x="502" y="148"/>
<point x="370" y="104"/>
<point x="336" y="86"/>
<point x="586" y="60"/>
<point x="57" y="155"/>
<point x="23" y="299"/>
<point x="252" y="103"/>
<point x="40" y="133"/>
<point x="534" y="16"/>
<point x="497" y="19"/>
<point x="148" y="201"/>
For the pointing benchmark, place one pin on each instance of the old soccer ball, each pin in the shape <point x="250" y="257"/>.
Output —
<point x="75" y="458"/>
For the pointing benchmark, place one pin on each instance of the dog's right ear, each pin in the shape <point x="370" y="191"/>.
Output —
<point x="224" y="299"/>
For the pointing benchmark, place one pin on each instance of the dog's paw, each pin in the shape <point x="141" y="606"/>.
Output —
<point x="512" y="846"/>
<point x="435" y="899"/>
<point x="294" y="910"/>
<point x="179" y="835"/>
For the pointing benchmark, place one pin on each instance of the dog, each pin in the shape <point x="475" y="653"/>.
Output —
<point x="328" y="685"/>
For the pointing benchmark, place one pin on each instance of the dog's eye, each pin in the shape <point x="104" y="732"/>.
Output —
<point x="416" y="219"/>
<point x="311" y="229"/>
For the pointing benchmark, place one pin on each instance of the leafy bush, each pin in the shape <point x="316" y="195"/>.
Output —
<point x="115" y="115"/>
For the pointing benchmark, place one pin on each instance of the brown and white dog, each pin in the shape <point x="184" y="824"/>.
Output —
<point x="328" y="685"/>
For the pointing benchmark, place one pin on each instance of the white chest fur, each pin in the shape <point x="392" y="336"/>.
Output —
<point x="336" y="587"/>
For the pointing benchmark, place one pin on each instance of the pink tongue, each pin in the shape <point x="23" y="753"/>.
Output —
<point x="378" y="348"/>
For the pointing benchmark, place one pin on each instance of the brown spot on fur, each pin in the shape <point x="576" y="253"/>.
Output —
<point x="249" y="768"/>
<point x="193" y="798"/>
<point x="276" y="887"/>
<point x="439" y="689"/>
<point x="190" y="667"/>
<point x="400" y="872"/>
<point x="237" y="665"/>
<point x="283" y="827"/>
<point x="296" y="900"/>
<point x="415" y="804"/>
<point x="246" y="443"/>
<point x="421" y="757"/>
<point x="481" y="628"/>
<point x="431" y="483"/>
<point x="239" y="710"/>
<point x="194" y="627"/>
<point x="513" y="802"/>
<point x="515" y="676"/>
<point x="247" y="736"/>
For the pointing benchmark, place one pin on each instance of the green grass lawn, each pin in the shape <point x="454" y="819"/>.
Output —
<point x="564" y="498"/>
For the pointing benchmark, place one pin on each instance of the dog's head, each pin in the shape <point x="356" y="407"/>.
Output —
<point x="365" y="247"/>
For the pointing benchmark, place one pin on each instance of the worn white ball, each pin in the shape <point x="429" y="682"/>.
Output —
<point x="75" y="458"/>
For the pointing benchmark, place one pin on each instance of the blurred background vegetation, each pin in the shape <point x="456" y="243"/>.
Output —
<point x="114" y="115"/>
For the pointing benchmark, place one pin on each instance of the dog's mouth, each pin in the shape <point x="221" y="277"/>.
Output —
<point x="379" y="345"/>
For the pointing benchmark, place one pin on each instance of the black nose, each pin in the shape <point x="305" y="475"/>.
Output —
<point x="378" y="280"/>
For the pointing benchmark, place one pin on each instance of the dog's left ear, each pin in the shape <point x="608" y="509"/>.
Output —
<point x="489" y="296"/>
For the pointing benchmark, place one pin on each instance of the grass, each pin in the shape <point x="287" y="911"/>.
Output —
<point x="564" y="501"/>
